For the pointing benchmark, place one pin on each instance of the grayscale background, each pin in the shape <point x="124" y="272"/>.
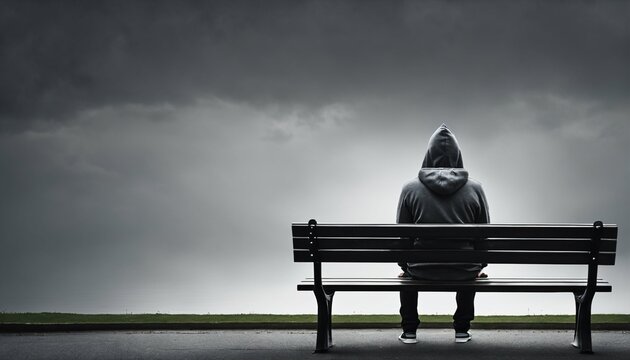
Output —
<point x="153" y="154"/>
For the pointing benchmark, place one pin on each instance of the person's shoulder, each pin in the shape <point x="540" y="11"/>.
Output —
<point x="474" y="184"/>
<point x="412" y="184"/>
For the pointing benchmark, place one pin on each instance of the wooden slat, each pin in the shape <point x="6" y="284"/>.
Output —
<point x="491" y="244"/>
<point x="457" y="230"/>
<point x="332" y="282"/>
<point x="493" y="279"/>
<point x="606" y="245"/>
<point x="468" y="256"/>
<point x="354" y="243"/>
<point x="481" y="285"/>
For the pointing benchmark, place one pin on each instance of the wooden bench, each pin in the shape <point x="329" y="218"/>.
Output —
<point x="569" y="244"/>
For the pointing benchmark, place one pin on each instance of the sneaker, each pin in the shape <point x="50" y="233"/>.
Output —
<point x="408" y="338"/>
<point x="462" y="337"/>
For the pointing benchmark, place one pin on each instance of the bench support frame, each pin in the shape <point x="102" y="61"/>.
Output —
<point x="583" y="302"/>
<point x="324" y="299"/>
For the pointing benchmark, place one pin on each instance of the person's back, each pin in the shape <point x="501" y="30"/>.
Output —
<point x="442" y="193"/>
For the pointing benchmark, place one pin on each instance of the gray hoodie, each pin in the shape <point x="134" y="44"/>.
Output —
<point x="443" y="193"/>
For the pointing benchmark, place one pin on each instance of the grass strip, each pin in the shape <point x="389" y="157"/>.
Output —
<point x="70" y="318"/>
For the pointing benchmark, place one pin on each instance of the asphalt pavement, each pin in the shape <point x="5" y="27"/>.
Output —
<point x="361" y="344"/>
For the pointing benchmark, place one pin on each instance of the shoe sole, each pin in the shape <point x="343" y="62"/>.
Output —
<point x="462" y="340"/>
<point x="408" y="341"/>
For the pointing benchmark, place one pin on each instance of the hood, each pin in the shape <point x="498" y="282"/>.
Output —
<point x="442" y="169"/>
<point x="443" y="150"/>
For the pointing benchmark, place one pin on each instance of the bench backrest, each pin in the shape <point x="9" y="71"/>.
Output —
<point x="504" y="243"/>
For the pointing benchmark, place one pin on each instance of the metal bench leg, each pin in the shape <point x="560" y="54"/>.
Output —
<point x="324" y="321"/>
<point x="582" y="337"/>
<point x="324" y="299"/>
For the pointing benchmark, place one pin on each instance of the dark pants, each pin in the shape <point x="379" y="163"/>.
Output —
<point x="461" y="319"/>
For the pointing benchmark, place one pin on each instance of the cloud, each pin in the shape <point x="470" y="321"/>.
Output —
<point x="71" y="56"/>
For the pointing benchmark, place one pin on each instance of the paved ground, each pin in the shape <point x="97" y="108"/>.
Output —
<point x="298" y="344"/>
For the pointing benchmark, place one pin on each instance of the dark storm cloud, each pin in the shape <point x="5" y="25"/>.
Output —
<point x="59" y="57"/>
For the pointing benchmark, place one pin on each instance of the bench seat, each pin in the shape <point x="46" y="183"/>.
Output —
<point x="536" y="284"/>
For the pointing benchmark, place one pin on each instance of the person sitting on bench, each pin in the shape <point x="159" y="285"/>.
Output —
<point x="441" y="193"/>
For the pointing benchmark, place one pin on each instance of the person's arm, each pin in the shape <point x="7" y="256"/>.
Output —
<point x="403" y="216"/>
<point x="483" y="217"/>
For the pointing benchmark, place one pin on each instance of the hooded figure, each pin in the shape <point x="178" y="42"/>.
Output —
<point x="442" y="193"/>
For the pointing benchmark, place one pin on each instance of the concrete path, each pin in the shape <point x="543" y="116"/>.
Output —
<point x="298" y="344"/>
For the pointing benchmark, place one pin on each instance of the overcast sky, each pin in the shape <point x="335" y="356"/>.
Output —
<point x="154" y="154"/>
